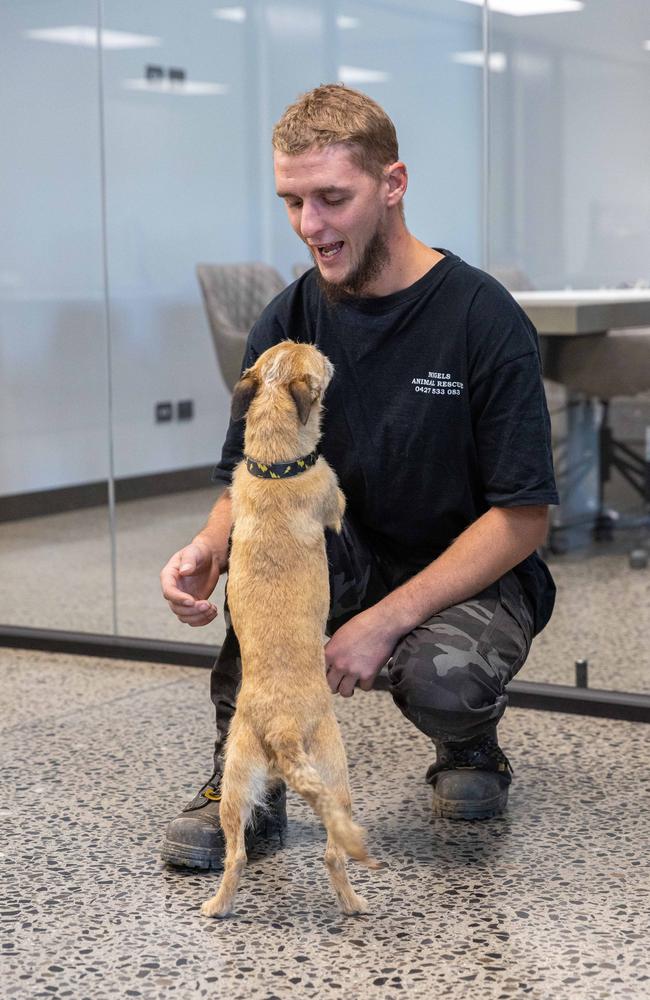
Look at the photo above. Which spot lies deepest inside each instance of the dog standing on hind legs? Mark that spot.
(283, 496)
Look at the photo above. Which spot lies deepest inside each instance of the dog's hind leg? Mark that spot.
(350, 902)
(328, 754)
(243, 786)
(320, 776)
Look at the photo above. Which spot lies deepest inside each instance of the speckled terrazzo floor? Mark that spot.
(551, 901)
(54, 573)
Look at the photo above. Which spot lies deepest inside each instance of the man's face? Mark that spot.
(337, 210)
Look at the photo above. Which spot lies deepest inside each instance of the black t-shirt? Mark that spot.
(436, 411)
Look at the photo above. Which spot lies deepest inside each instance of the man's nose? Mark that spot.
(310, 221)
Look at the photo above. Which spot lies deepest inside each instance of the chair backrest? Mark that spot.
(234, 296)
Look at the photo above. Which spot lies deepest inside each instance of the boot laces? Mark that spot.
(484, 754)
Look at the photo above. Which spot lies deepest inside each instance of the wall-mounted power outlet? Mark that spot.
(185, 409)
(164, 412)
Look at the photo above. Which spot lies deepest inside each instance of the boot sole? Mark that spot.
(454, 809)
(182, 856)
(206, 859)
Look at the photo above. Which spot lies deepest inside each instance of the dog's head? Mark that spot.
(298, 373)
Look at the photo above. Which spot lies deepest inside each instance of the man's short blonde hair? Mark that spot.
(334, 113)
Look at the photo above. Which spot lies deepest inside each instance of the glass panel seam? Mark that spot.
(485, 187)
(107, 313)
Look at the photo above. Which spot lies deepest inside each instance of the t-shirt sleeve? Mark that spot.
(266, 332)
(510, 416)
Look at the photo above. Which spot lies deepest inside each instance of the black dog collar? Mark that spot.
(281, 470)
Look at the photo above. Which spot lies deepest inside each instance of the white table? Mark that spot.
(574, 312)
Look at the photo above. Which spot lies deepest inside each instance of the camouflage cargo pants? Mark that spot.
(447, 676)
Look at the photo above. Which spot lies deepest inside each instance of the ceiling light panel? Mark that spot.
(86, 36)
(358, 74)
(236, 14)
(530, 8)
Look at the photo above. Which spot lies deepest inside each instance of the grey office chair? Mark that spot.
(604, 367)
(234, 296)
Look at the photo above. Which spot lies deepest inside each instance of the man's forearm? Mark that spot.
(500, 539)
(218, 527)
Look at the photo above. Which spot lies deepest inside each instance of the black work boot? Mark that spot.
(195, 838)
(470, 779)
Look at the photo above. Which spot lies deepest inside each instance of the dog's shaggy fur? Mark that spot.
(278, 593)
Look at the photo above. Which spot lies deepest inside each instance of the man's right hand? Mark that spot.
(187, 581)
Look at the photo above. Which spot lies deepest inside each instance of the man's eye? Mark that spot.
(334, 201)
(293, 204)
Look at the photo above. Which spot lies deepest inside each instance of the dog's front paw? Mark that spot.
(214, 908)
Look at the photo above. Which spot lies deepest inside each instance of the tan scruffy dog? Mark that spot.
(283, 495)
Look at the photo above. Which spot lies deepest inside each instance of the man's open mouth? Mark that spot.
(330, 249)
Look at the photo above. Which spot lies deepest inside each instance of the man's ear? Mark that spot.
(303, 396)
(397, 182)
(243, 395)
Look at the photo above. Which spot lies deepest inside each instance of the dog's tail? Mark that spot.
(292, 761)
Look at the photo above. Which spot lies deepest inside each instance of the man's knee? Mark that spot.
(443, 683)
(459, 690)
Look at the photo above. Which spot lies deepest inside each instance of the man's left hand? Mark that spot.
(356, 653)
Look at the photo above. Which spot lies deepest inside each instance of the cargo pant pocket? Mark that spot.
(505, 644)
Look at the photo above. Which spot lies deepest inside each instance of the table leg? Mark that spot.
(577, 473)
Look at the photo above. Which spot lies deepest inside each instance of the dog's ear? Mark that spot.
(303, 396)
(243, 395)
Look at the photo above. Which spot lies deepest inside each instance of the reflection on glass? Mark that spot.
(187, 109)
(55, 557)
(569, 208)
(180, 191)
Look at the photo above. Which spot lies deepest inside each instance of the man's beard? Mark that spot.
(375, 257)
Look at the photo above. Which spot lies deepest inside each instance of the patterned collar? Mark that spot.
(281, 470)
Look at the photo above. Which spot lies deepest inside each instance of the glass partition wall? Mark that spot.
(569, 209)
(178, 177)
(129, 162)
(189, 179)
(56, 568)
